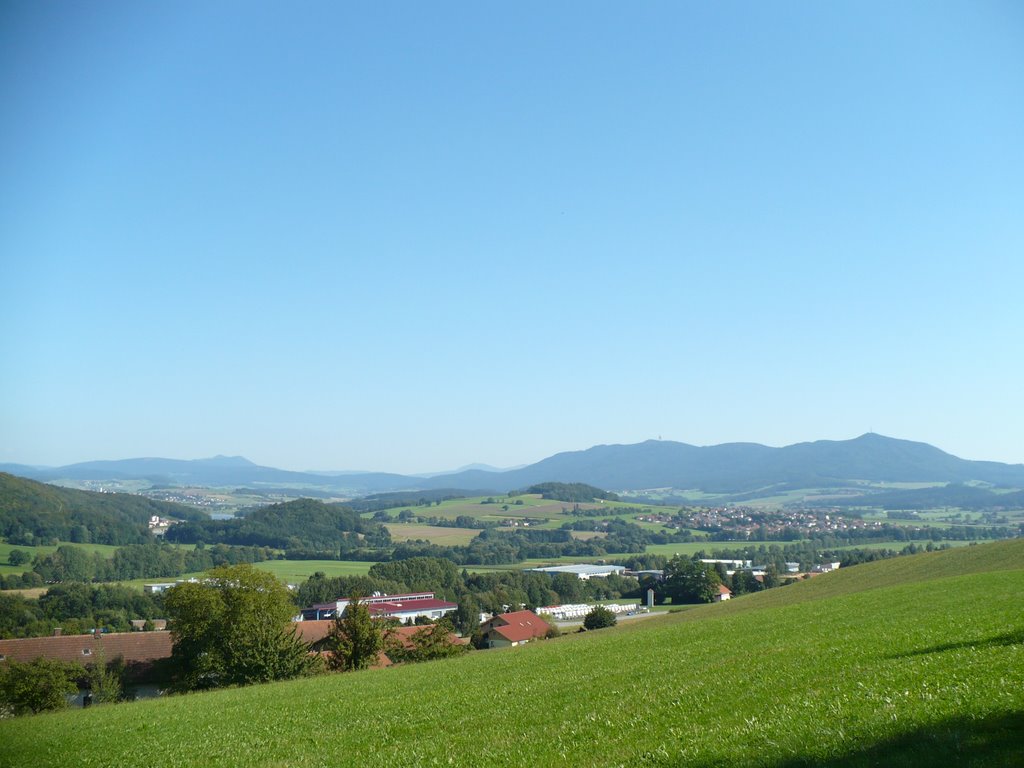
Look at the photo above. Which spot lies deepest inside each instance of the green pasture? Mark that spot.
(917, 661)
(533, 506)
(898, 545)
(296, 571)
(5, 550)
(690, 548)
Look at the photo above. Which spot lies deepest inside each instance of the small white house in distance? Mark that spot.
(154, 589)
(735, 564)
(583, 571)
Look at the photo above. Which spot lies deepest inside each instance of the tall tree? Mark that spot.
(233, 628)
(467, 616)
(356, 639)
(690, 581)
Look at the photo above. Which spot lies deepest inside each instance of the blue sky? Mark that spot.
(411, 236)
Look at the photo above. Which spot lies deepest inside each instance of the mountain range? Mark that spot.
(730, 468)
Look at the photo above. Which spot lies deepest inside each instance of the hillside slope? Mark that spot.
(29, 508)
(914, 662)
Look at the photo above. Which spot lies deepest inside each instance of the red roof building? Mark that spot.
(510, 629)
(402, 607)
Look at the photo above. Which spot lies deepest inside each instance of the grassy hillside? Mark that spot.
(914, 661)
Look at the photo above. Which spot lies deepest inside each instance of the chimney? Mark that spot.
(56, 631)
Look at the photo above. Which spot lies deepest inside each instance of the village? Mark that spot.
(407, 616)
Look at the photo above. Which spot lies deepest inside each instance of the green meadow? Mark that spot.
(436, 534)
(295, 571)
(106, 550)
(916, 661)
(548, 512)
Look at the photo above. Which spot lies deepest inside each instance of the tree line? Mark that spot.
(152, 560)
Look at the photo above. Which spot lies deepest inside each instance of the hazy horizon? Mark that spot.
(415, 472)
(414, 237)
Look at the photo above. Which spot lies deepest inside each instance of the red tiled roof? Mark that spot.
(724, 590)
(134, 647)
(386, 609)
(378, 599)
(404, 634)
(311, 632)
(519, 625)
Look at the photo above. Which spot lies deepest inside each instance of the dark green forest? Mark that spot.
(34, 513)
(303, 524)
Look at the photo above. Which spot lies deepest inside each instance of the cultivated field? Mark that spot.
(917, 661)
(436, 534)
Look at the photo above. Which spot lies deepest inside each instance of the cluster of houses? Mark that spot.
(748, 523)
(158, 525)
(141, 649)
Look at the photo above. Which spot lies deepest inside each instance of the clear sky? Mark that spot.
(409, 236)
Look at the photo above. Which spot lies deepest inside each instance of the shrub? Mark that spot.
(599, 618)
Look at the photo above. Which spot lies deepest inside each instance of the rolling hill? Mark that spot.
(913, 662)
(30, 509)
(731, 468)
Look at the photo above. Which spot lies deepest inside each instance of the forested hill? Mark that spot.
(730, 468)
(34, 513)
(744, 467)
(303, 524)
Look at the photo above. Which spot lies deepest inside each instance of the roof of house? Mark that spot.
(311, 632)
(140, 624)
(404, 634)
(386, 609)
(133, 647)
(519, 625)
(724, 590)
(405, 596)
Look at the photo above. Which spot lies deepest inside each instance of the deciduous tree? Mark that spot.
(233, 628)
(599, 618)
(38, 686)
(356, 639)
(690, 581)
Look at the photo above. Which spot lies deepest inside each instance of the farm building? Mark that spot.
(401, 607)
(724, 593)
(507, 630)
(583, 571)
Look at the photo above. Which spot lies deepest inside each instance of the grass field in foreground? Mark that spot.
(917, 661)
